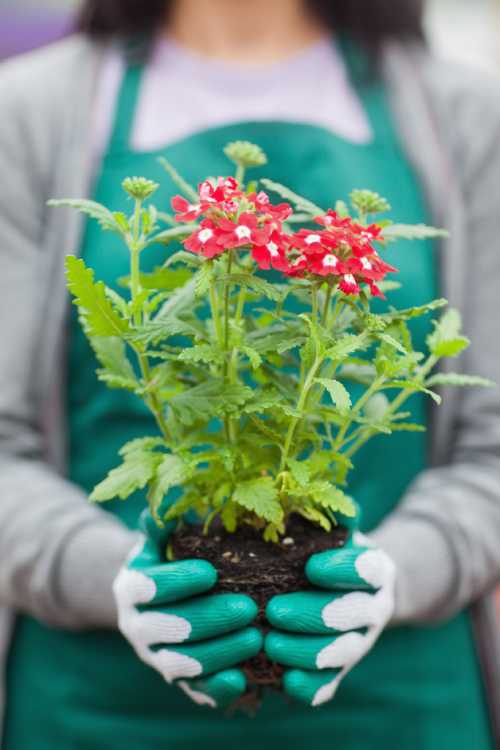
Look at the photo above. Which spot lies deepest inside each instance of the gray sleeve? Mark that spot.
(445, 534)
(58, 554)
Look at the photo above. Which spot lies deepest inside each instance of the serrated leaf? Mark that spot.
(315, 516)
(90, 297)
(94, 210)
(260, 496)
(175, 234)
(137, 469)
(166, 279)
(285, 346)
(254, 284)
(182, 256)
(455, 379)
(346, 345)
(413, 385)
(300, 471)
(413, 232)
(203, 279)
(253, 356)
(333, 498)
(204, 401)
(391, 341)
(338, 393)
(158, 330)
(117, 370)
(181, 183)
(414, 312)
(201, 353)
(171, 471)
(302, 204)
(446, 339)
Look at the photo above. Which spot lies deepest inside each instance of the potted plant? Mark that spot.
(247, 375)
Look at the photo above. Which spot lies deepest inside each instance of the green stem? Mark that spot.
(326, 309)
(360, 403)
(300, 405)
(227, 291)
(240, 175)
(135, 270)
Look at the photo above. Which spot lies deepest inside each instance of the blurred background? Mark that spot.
(466, 30)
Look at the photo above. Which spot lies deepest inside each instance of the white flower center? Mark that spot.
(312, 239)
(349, 278)
(273, 249)
(205, 235)
(243, 233)
(330, 261)
(366, 264)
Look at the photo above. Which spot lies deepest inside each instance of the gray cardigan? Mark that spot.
(59, 554)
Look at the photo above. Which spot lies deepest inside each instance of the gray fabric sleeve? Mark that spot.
(444, 536)
(58, 553)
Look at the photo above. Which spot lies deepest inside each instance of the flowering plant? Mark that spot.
(251, 398)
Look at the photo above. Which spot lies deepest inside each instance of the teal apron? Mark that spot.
(420, 688)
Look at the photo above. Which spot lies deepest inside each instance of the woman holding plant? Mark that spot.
(338, 97)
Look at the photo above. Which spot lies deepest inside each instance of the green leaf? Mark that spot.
(446, 339)
(413, 312)
(94, 210)
(300, 471)
(201, 353)
(338, 393)
(204, 401)
(166, 279)
(254, 284)
(413, 385)
(181, 183)
(456, 379)
(137, 469)
(346, 345)
(117, 370)
(412, 232)
(203, 279)
(253, 356)
(260, 496)
(331, 497)
(302, 204)
(172, 471)
(391, 341)
(159, 330)
(94, 306)
(175, 234)
(315, 516)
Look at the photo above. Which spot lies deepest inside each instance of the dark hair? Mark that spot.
(368, 21)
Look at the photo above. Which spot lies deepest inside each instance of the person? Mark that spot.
(340, 95)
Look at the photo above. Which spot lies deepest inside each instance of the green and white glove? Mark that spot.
(192, 638)
(329, 630)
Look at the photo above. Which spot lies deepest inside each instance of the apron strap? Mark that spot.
(369, 88)
(125, 108)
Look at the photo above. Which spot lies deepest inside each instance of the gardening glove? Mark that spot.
(331, 629)
(190, 637)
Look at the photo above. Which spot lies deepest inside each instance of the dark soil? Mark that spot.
(248, 564)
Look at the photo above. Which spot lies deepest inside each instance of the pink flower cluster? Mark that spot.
(233, 219)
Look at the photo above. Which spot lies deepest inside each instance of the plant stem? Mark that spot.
(326, 308)
(227, 291)
(135, 271)
(240, 174)
(300, 405)
(375, 386)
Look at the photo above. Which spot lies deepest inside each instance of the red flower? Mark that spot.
(239, 233)
(271, 253)
(309, 242)
(349, 285)
(204, 241)
(185, 210)
(261, 201)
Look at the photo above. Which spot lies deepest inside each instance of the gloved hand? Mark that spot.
(191, 639)
(332, 628)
